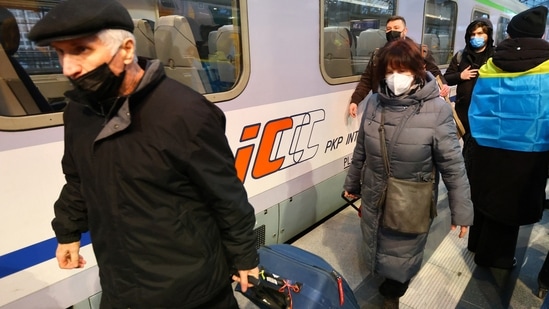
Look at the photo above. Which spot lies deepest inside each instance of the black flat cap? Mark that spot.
(73, 19)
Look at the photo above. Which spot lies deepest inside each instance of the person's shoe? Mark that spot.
(390, 303)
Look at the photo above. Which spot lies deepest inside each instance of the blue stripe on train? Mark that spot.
(32, 255)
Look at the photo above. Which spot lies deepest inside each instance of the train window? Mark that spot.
(208, 32)
(199, 42)
(351, 32)
(501, 32)
(479, 14)
(440, 29)
(29, 76)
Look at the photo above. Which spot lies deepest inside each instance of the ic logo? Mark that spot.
(284, 142)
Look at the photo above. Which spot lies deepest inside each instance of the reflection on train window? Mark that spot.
(199, 43)
(353, 30)
(501, 32)
(29, 75)
(440, 28)
(479, 14)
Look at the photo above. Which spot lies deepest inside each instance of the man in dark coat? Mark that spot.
(463, 72)
(463, 68)
(395, 29)
(148, 170)
(508, 118)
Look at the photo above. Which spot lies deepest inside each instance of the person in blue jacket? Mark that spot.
(509, 119)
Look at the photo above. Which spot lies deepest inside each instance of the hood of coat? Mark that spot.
(472, 26)
(426, 92)
(521, 54)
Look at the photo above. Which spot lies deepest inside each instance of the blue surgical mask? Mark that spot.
(477, 42)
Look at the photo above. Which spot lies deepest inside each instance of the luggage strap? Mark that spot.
(287, 287)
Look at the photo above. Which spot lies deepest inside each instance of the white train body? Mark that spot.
(292, 163)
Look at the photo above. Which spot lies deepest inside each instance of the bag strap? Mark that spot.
(459, 125)
(459, 56)
(382, 143)
(396, 135)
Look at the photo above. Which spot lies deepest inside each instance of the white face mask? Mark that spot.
(399, 83)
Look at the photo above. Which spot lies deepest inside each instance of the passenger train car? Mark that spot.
(282, 71)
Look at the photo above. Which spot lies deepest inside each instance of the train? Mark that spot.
(283, 72)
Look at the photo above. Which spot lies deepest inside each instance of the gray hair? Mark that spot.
(113, 39)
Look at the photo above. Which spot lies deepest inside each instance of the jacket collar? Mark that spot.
(121, 119)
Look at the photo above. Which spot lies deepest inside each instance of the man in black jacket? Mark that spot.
(396, 29)
(148, 169)
(463, 72)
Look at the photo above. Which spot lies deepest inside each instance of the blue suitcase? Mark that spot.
(291, 277)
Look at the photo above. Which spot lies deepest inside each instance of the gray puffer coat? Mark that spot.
(428, 139)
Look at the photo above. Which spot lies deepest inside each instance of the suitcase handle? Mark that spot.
(253, 280)
(351, 202)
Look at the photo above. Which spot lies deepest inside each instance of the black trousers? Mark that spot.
(393, 289)
(469, 147)
(493, 242)
(223, 300)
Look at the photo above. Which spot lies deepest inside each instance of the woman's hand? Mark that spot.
(463, 230)
(349, 195)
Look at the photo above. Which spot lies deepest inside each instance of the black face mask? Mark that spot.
(99, 84)
(393, 35)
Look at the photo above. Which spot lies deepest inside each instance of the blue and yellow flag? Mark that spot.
(511, 110)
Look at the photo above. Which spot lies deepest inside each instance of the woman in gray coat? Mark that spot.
(409, 97)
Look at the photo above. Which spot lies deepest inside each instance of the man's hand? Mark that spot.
(444, 90)
(353, 107)
(243, 278)
(68, 256)
(468, 73)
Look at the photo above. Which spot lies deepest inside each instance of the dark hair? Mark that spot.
(396, 17)
(401, 55)
(479, 24)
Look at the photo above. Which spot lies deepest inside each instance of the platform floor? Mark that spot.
(448, 279)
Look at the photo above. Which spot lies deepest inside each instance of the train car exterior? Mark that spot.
(282, 71)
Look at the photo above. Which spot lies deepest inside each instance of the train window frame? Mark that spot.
(479, 12)
(445, 53)
(22, 120)
(347, 31)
